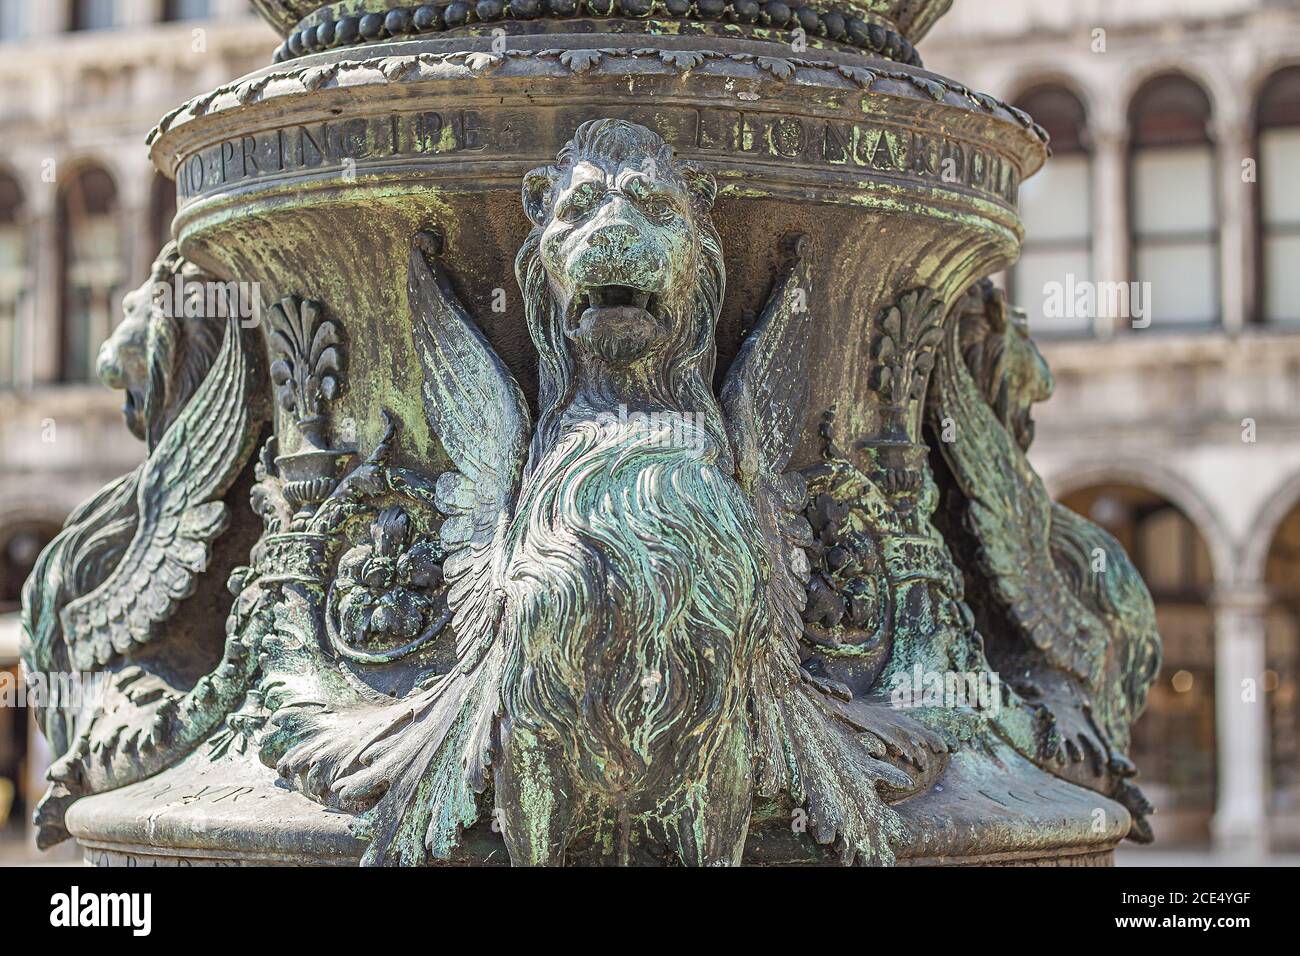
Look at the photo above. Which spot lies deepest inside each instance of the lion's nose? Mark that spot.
(617, 237)
(614, 228)
(106, 366)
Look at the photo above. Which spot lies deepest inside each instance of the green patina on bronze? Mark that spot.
(702, 538)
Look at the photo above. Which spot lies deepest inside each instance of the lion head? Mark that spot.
(1004, 361)
(622, 274)
(162, 349)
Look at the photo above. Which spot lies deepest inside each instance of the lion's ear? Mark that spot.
(538, 184)
(703, 189)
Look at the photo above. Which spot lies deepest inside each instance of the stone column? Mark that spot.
(1236, 205)
(27, 318)
(1110, 213)
(134, 179)
(46, 325)
(135, 12)
(1240, 818)
(44, 19)
(38, 761)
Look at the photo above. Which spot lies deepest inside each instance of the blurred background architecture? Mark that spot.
(1176, 421)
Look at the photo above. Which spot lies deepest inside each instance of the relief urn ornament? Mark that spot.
(628, 466)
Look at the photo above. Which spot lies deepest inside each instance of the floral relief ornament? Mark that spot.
(387, 599)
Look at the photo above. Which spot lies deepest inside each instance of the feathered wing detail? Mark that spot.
(763, 398)
(412, 770)
(415, 768)
(1010, 513)
(477, 410)
(766, 390)
(804, 745)
(1083, 641)
(180, 514)
(1124, 604)
(93, 539)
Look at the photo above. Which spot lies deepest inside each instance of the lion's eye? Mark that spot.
(658, 207)
(577, 202)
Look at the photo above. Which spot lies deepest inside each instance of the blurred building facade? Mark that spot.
(82, 215)
(1176, 418)
(1176, 126)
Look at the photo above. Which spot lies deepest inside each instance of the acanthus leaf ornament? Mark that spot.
(307, 370)
(904, 346)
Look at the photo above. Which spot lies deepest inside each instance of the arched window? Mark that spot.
(1279, 201)
(187, 10)
(162, 209)
(13, 281)
(1056, 207)
(93, 272)
(1173, 211)
(93, 14)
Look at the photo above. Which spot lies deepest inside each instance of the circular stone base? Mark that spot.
(993, 809)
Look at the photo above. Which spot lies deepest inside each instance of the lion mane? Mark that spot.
(1003, 360)
(180, 348)
(633, 583)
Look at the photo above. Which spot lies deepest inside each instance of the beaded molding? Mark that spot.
(428, 18)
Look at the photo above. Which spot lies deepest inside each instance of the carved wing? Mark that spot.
(92, 541)
(766, 390)
(1124, 604)
(804, 744)
(764, 398)
(477, 410)
(1010, 513)
(416, 767)
(180, 514)
(1083, 644)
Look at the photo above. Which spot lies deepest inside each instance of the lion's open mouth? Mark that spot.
(617, 297)
(133, 412)
(612, 304)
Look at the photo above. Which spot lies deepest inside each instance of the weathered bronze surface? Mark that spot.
(706, 537)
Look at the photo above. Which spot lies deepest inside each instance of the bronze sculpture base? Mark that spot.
(646, 482)
(233, 813)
